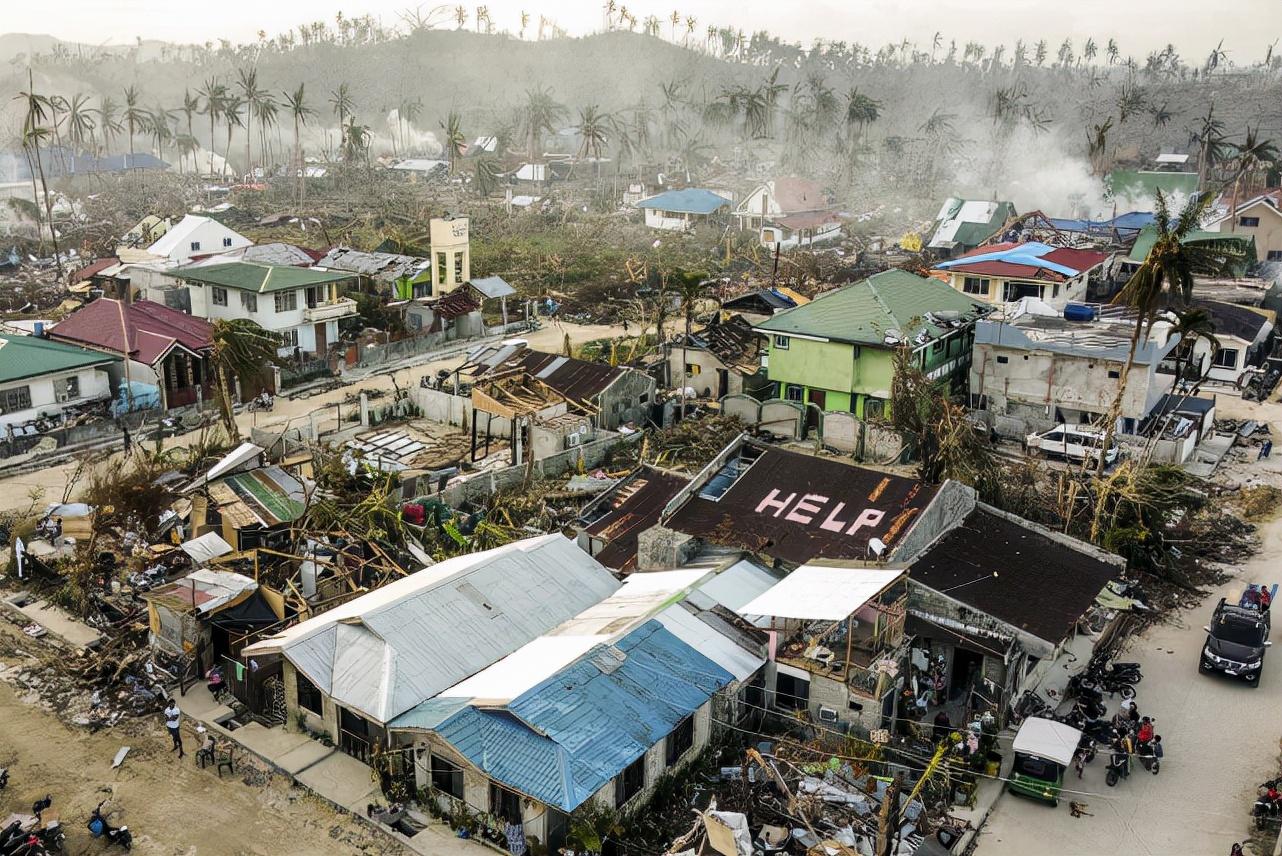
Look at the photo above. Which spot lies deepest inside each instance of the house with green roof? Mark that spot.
(40, 379)
(301, 305)
(836, 352)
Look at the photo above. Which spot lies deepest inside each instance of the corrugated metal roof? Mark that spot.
(391, 649)
(26, 356)
(492, 286)
(564, 739)
(864, 312)
(1030, 259)
(691, 200)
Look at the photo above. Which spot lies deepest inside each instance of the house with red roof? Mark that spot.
(1002, 273)
(789, 212)
(159, 346)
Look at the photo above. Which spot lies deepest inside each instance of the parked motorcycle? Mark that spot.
(262, 401)
(100, 828)
(1119, 767)
(1268, 804)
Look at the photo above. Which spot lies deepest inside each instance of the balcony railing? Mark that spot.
(344, 307)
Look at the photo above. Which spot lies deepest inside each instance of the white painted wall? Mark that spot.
(94, 385)
(669, 220)
(211, 237)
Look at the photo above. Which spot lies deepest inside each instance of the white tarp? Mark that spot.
(1046, 738)
(206, 548)
(821, 592)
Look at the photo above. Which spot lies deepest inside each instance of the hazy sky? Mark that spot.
(1194, 26)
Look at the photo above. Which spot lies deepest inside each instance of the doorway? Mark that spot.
(321, 345)
(968, 667)
(723, 383)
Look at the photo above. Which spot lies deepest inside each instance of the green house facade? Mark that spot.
(837, 352)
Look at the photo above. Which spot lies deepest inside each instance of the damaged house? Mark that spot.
(789, 212)
(1001, 273)
(612, 395)
(721, 359)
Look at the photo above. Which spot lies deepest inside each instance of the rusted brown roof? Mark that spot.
(577, 380)
(798, 507)
(634, 507)
(733, 342)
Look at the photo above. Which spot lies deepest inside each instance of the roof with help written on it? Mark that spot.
(566, 738)
(256, 277)
(798, 507)
(691, 200)
(152, 329)
(1017, 573)
(1030, 260)
(865, 312)
(24, 357)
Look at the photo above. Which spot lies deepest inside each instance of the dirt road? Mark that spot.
(1221, 736)
(171, 806)
(52, 481)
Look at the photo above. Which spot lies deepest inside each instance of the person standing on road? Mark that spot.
(173, 718)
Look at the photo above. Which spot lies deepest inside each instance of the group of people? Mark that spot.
(1256, 596)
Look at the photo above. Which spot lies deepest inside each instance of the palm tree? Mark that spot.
(1253, 156)
(460, 16)
(296, 101)
(540, 116)
(265, 110)
(591, 128)
(1111, 51)
(241, 349)
(1211, 144)
(252, 95)
(340, 100)
(215, 95)
(452, 129)
(408, 112)
(158, 126)
(1169, 268)
(108, 120)
(135, 117)
(191, 106)
(34, 132)
(861, 111)
(80, 123)
(232, 105)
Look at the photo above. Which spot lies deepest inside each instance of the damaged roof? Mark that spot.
(733, 342)
(382, 266)
(1043, 585)
(799, 507)
(267, 496)
(203, 591)
(632, 507)
(1027, 260)
(577, 380)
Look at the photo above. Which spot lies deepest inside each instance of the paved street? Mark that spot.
(1221, 740)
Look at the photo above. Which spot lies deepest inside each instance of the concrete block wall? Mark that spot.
(659, 548)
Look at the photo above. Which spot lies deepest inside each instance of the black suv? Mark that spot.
(1235, 642)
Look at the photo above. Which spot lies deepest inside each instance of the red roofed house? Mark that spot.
(789, 212)
(167, 348)
(1001, 273)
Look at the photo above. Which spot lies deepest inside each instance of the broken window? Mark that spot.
(630, 782)
(680, 740)
(730, 473)
(218, 295)
(18, 398)
(447, 777)
(309, 696)
(249, 301)
(791, 692)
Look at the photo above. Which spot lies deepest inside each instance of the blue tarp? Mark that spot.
(564, 739)
(1030, 254)
(145, 396)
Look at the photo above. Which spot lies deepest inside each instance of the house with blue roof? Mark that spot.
(682, 210)
(599, 731)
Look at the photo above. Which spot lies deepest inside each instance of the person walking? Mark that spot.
(173, 718)
(1266, 448)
